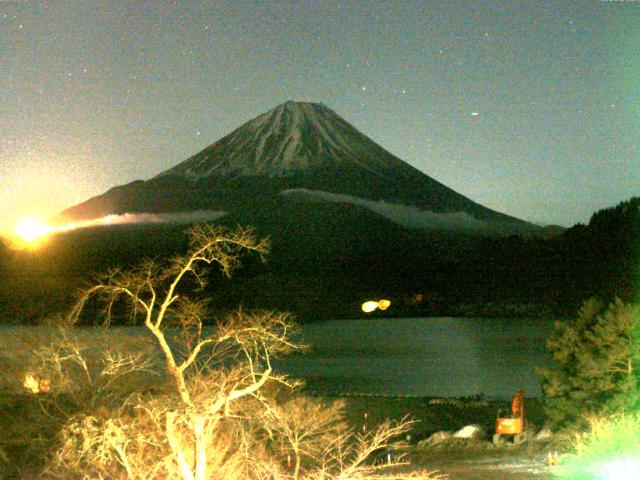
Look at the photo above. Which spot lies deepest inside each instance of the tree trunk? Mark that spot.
(198, 422)
(296, 471)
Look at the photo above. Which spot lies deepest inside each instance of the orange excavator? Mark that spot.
(514, 424)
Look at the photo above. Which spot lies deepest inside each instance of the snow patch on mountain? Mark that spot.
(291, 137)
(407, 216)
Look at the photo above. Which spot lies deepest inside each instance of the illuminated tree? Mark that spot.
(218, 414)
(596, 364)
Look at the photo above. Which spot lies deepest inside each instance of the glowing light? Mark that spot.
(609, 451)
(31, 384)
(371, 305)
(620, 469)
(30, 230)
(35, 385)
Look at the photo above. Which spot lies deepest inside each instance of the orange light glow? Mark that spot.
(31, 233)
(31, 230)
(372, 305)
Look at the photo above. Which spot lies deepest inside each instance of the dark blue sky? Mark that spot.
(528, 107)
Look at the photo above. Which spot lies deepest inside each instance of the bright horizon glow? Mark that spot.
(29, 230)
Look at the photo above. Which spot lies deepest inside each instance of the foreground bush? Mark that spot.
(217, 410)
(51, 374)
(609, 450)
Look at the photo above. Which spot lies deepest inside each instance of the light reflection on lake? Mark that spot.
(422, 356)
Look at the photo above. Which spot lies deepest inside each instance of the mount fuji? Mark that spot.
(292, 161)
(348, 221)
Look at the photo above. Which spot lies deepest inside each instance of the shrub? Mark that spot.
(596, 365)
(50, 375)
(609, 450)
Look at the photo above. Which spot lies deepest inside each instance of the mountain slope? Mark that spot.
(294, 147)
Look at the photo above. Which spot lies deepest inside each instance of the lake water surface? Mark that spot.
(422, 356)
(405, 356)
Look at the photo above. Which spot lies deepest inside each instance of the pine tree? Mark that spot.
(596, 368)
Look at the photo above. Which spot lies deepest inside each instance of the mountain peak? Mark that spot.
(297, 106)
(292, 137)
(294, 104)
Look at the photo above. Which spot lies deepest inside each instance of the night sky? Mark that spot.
(531, 108)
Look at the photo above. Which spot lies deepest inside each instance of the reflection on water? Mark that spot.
(422, 356)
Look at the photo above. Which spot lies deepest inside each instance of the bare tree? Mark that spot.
(305, 428)
(223, 419)
(153, 290)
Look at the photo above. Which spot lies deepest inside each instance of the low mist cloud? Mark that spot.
(131, 218)
(181, 217)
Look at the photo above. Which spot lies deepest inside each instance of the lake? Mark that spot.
(422, 356)
(405, 356)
